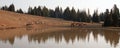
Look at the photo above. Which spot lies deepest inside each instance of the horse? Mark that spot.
(77, 24)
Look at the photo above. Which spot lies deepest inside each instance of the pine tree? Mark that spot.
(30, 10)
(39, 11)
(102, 16)
(35, 11)
(115, 15)
(57, 12)
(52, 13)
(4, 8)
(83, 16)
(61, 13)
(95, 17)
(78, 16)
(66, 14)
(108, 18)
(73, 15)
(19, 11)
(11, 8)
(45, 12)
(89, 16)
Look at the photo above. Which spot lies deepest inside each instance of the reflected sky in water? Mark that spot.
(73, 38)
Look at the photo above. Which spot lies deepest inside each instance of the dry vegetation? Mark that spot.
(11, 19)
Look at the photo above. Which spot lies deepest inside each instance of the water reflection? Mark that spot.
(66, 34)
(110, 36)
(86, 36)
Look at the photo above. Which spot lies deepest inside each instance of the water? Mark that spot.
(74, 38)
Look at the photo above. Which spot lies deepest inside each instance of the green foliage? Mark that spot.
(78, 16)
(35, 11)
(11, 8)
(83, 16)
(30, 10)
(45, 12)
(52, 13)
(57, 12)
(19, 11)
(39, 11)
(73, 15)
(115, 15)
(112, 19)
(108, 19)
(102, 16)
(89, 18)
(95, 17)
(4, 8)
(66, 14)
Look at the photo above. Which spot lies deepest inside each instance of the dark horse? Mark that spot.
(77, 24)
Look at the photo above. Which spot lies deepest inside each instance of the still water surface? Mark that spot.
(74, 38)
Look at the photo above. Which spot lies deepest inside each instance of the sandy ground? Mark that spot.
(11, 19)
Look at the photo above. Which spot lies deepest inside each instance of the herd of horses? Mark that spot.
(77, 24)
(72, 24)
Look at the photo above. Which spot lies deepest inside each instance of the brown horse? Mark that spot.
(77, 24)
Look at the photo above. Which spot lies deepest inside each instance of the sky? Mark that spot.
(101, 5)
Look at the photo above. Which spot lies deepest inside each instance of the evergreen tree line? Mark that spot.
(67, 14)
(11, 8)
(110, 18)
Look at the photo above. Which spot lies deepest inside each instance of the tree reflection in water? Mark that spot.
(111, 37)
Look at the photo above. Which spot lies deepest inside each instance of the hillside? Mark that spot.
(11, 19)
(39, 24)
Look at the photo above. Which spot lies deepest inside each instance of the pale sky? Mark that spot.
(101, 5)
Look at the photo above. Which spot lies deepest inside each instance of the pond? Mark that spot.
(73, 38)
